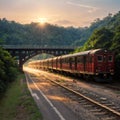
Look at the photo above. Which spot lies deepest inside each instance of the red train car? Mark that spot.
(97, 63)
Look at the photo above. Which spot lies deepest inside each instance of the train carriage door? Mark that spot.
(101, 62)
(70, 61)
(105, 62)
(60, 61)
(84, 63)
(75, 63)
(56, 63)
(107, 58)
(90, 63)
(111, 63)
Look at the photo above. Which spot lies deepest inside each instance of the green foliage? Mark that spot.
(104, 33)
(116, 40)
(8, 69)
(17, 103)
(101, 38)
(13, 33)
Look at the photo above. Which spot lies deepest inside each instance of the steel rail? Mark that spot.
(87, 98)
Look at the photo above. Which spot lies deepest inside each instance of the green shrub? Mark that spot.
(8, 69)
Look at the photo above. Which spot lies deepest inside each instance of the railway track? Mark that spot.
(100, 107)
(113, 87)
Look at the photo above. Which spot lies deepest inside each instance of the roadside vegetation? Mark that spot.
(8, 70)
(17, 103)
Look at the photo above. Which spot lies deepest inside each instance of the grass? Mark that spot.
(117, 92)
(17, 103)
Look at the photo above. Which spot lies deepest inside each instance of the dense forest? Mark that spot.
(8, 69)
(13, 33)
(107, 34)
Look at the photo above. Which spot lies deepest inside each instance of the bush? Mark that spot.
(8, 69)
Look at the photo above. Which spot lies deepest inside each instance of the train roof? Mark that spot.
(100, 50)
(83, 53)
(94, 51)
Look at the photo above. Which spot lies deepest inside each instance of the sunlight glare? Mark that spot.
(42, 20)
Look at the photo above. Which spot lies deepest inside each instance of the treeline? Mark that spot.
(106, 35)
(13, 33)
(8, 70)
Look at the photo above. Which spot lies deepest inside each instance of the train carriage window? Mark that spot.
(63, 60)
(84, 59)
(79, 59)
(100, 58)
(67, 60)
(110, 58)
(73, 60)
(90, 59)
(58, 61)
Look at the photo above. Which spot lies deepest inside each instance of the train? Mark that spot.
(97, 64)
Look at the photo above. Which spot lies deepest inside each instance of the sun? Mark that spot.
(42, 20)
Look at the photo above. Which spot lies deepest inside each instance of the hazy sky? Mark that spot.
(62, 12)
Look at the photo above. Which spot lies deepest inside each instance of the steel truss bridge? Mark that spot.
(25, 52)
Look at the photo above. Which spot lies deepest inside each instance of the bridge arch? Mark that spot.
(24, 53)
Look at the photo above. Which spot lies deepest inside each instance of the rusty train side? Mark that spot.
(97, 64)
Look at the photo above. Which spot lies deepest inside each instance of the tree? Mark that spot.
(8, 69)
(101, 38)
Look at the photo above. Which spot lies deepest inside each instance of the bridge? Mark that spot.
(23, 53)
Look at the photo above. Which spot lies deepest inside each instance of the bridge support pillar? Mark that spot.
(20, 63)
